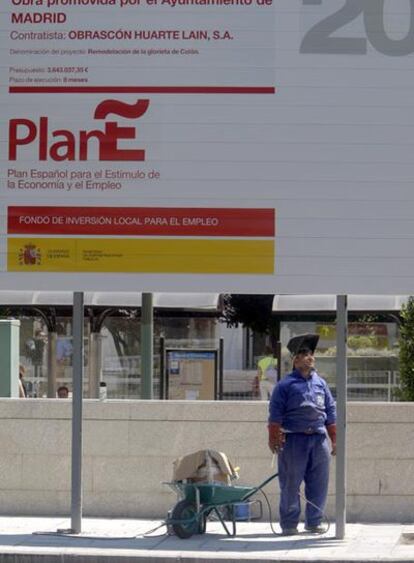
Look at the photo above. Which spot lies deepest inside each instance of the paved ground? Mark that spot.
(35, 540)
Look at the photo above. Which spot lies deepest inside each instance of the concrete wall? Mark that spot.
(129, 447)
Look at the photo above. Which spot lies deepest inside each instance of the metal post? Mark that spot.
(162, 368)
(147, 338)
(250, 364)
(341, 398)
(51, 365)
(279, 359)
(220, 371)
(389, 394)
(76, 500)
(95, 364)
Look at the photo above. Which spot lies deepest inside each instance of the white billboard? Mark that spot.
(207, 145)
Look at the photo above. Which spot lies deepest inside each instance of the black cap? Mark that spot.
(303, 343)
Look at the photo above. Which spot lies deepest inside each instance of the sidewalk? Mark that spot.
(27, 539)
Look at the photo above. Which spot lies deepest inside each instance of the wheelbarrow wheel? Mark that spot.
(185, 519)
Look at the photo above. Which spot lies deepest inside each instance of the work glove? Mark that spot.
(331, 429)
(276, 437)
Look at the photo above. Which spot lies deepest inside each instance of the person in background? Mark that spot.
(63, 392)
(22, 387)
(302, 413)
(267, 374)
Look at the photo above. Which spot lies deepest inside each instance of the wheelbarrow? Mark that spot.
(200, 500)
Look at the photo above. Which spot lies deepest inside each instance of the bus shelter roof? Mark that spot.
(327, 303)
(191, 301)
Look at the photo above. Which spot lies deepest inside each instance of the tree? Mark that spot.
(406, 391)
(251, 311)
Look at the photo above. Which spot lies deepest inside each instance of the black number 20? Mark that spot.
(319, 38)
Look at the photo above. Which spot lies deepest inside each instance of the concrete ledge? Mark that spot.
(129, 447)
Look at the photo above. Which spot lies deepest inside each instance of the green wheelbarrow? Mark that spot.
(200, 500)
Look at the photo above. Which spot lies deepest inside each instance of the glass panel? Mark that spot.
(372, 365)
(33, 356)
(121, 352)
(121, 357)
(372, 357)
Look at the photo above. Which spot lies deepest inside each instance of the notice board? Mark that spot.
(191, 374)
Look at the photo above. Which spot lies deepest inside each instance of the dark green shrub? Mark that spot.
(406, 391)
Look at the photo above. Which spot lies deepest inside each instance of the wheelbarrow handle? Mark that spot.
(258, 488)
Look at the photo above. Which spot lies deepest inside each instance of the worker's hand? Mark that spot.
(331, 429)
(276, 437)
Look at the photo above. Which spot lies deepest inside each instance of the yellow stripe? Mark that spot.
(176, 256)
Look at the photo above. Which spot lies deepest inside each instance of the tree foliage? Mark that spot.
(251, 311)
(406, 392)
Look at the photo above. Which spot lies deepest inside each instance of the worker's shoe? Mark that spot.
(289, 531)
(318, 529)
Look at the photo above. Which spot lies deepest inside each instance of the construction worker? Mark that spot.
(267, 374)
(302, 412)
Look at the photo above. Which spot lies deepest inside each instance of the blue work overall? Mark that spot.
(305, 457)
(304, 407)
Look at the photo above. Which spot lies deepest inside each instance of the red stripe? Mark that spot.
(137, 221)
(142, 90)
